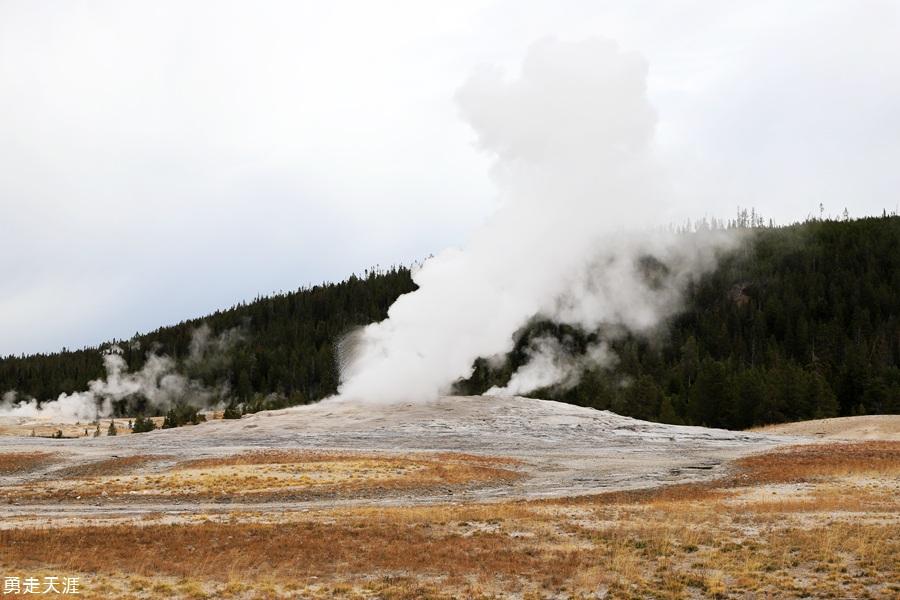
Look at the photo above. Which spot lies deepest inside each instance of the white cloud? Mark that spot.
(203, 152)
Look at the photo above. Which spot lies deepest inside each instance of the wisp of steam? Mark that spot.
(158, 383)
(571, 137)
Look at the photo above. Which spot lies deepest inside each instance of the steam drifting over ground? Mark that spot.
(580, 195)
(158, 384)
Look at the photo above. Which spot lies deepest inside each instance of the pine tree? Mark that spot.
(667, 412)
(171, 419)
(232, 411)
(143, 425)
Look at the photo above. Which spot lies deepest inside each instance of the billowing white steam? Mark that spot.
(157, 382)
(571, 138)
(551, 364)
(210, 350)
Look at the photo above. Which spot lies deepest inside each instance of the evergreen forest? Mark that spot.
(799, 322)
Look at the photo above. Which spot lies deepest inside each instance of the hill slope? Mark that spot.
(800, 322)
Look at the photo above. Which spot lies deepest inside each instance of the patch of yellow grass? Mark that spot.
(709, 540)
(275, 475)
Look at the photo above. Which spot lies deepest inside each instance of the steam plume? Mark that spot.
(158, 383)
(550, 364)
(571, 139)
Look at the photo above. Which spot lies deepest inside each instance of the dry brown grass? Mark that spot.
(279, 475)
(12, 463)
(794, 464)
(810, 462)
(120, 465)
(266, 457)
(271, 476)
(279, 457)
(822, 521)
(286, 550)
(643, 553)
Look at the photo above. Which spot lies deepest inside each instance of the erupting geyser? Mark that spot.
(572, 142)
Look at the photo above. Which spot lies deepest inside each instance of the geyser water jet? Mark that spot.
(571, 138)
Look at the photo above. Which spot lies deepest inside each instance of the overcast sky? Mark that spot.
(160, 160)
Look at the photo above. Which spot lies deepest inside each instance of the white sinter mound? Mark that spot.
(565, 449)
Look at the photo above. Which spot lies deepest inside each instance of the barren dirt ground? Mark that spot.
(869, 427)
(477, 497)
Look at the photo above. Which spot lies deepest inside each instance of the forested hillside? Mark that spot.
(800, 322)
(283, 355)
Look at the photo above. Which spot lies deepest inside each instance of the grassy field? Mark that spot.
(819, 520)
